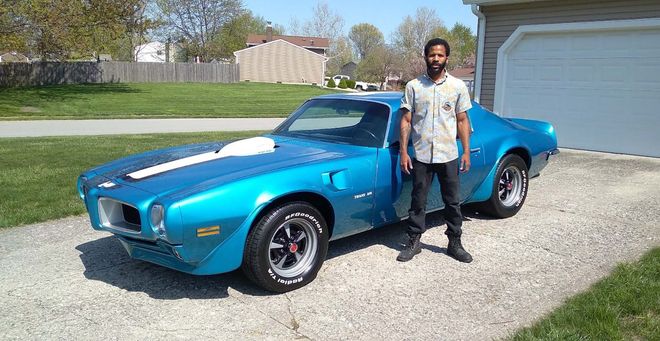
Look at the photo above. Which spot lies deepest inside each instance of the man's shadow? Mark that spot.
(106, 260)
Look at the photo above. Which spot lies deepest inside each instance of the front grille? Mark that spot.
(118, 215)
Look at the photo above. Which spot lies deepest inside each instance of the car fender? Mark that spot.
(485, 189)
(225, 250)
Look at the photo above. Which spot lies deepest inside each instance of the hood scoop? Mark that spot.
(246, 147)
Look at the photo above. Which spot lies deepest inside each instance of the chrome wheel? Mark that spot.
(510, 186)
(293, 247)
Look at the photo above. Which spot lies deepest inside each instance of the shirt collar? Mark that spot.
(441, 81)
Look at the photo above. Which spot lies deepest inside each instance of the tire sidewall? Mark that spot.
(508, 211)
(273, 281)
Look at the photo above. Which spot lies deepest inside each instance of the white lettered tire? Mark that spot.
(286, 248)
(510, 187)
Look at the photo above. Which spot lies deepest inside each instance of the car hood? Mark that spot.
(288, 152)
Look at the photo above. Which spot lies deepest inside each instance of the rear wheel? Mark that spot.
(509, 188)
(287, 248)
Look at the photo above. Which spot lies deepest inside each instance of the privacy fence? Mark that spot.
(48, 73)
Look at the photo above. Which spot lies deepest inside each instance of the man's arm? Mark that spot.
(404, 159)
(463, 127)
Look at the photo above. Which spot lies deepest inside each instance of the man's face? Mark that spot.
(436, 60)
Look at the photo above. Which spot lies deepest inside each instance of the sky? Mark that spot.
(384, 14)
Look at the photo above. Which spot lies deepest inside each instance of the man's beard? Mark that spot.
(435, 72)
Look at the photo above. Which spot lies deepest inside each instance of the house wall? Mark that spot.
(502, 20)
(280, 61)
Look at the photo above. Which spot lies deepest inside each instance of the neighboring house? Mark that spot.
(590, 67)
(466, 74)
(314, 44)
(154, 52)
(349, 69)
(280, 61)
(13, 57)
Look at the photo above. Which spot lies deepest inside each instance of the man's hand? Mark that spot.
(465, 162)
(406, 163)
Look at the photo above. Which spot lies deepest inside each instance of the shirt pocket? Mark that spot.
(448, 105)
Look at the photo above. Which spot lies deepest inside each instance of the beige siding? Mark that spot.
(280, 61)
(502, 20)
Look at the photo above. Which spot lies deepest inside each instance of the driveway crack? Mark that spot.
(294, 323)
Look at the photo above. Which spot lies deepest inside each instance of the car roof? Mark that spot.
(391, 98)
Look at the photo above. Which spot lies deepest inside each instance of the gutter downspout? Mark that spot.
(481, 41)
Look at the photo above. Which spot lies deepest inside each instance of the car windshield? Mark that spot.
(345, 121)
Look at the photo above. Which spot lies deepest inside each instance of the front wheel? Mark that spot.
(287, 248)
(509, 188)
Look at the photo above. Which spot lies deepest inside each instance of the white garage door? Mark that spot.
(600, 89)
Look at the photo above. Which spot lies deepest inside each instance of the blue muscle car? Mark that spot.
(270, 204)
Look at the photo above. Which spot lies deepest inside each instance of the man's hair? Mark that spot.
(434, 42)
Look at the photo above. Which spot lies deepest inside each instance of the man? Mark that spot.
(434, 109)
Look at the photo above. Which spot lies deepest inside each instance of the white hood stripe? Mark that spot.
(251, 146)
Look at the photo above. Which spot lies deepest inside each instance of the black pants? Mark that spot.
(447, 174)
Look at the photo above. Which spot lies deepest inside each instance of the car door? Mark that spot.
(393, 187)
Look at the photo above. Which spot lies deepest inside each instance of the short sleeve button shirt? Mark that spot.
(434, 106)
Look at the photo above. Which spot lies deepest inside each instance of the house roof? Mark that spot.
(496, 2)
(463, 72)
(307, 42)
(283, 42)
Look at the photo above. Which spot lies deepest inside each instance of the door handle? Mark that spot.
(475, 150)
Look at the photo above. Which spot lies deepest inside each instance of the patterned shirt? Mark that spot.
(434, 107)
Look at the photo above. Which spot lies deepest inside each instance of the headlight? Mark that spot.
(157, 220)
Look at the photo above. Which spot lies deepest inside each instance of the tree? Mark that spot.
(233, 35)
(365, 38)
(378, 65)
(339, 56)
(463, 45)
(326, 24)
(62, 29)
(198, 21)
(411, 36)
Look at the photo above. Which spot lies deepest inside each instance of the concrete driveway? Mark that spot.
(584, 214)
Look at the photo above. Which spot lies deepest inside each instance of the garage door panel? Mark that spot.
(601, 89)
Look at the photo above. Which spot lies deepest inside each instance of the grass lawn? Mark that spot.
(38, 175)
(153, 100)
(623, 306)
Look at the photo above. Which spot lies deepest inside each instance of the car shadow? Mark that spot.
(105, 260)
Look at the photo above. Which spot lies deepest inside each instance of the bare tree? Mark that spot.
(325, 24)
(342, 53)
(197, 21)
(411, 36)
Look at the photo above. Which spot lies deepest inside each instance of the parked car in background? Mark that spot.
(271, 204)
(361, 86)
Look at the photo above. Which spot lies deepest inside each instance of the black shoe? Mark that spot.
(411, 249)
(456, 250)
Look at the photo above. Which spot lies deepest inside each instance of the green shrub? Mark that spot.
(350, 84)
(342, 84)
(331, 83)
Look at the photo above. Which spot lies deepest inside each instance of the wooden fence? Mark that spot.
(48, 73)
